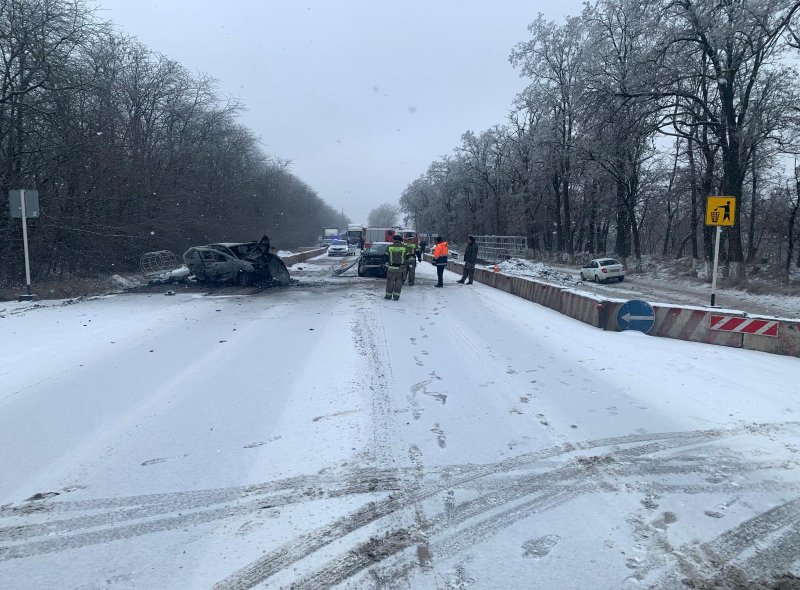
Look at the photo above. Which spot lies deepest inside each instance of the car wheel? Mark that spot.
(278, 271)
(597, 279)
(621, 279)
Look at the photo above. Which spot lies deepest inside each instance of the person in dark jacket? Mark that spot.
(470, 258)
(440, 252)
(422, 246)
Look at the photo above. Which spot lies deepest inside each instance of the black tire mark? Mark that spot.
(367, 480)
(736, 540)
(714, 563)
(295, 550)
(783, 553)
(351, 486)
(290, 553)
(555, 488)
(63, 542)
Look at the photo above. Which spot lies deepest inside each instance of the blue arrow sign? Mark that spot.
(636, 315)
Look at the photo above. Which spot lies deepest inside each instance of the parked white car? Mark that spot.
(600, 270)
(338, 248)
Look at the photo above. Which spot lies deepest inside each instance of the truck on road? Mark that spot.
(329, 234)
(355, 232)
(378, 234)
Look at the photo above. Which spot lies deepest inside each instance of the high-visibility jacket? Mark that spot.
(411, 252)
(396, 253)
(440, 253)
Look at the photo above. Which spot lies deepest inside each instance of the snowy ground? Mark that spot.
(319, 436)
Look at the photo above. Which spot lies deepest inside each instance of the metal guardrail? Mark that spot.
(497, 248)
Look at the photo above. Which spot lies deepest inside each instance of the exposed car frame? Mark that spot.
(242, 263)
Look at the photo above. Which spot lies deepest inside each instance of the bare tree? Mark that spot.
(385, 215)
(742, 43)
(554, 59)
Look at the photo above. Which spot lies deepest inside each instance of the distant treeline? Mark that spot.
(635, 112)
(129, 152)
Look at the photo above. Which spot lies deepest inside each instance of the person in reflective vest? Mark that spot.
(440, 253)
(410, 270)
(396, 253)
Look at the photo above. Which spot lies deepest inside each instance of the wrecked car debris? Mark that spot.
(244, 264)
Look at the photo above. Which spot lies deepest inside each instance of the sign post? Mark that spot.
(24, 204)
(719, 211)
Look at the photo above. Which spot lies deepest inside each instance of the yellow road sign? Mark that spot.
(720, 211)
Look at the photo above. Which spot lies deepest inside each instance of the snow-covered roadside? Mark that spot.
(658, 285)
(326, 436)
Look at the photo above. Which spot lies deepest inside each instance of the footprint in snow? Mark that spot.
(540, 547)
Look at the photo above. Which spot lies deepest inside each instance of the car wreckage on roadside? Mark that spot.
(243, 264)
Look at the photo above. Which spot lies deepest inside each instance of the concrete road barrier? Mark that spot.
(671, 321)
(548, 295)
(303, 256)
(787, 342)
(581, 306)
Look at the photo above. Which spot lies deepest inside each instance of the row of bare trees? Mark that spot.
(636, 111)
(128, 150)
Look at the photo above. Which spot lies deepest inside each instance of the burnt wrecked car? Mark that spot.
(244, 264)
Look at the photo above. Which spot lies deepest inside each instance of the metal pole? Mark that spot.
(25, 241)
(716, 261)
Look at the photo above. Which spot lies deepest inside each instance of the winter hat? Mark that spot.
(397, 238)
(471, 238)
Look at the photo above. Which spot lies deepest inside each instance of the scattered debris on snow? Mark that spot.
(125, 282)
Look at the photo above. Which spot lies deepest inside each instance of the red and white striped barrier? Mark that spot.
(744, 325)
(686, 323)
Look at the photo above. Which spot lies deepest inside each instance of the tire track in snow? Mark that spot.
(353, 484)
(292, 552)
(720, 563)
(554, 488)
(72, 533)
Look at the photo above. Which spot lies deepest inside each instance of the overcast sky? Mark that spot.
(360, 95)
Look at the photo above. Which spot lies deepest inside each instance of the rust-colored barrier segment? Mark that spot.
(581, 307)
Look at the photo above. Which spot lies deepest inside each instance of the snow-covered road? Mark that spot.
(319, 436)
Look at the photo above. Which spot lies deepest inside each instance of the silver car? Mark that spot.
(600, 270)
(339, 248)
